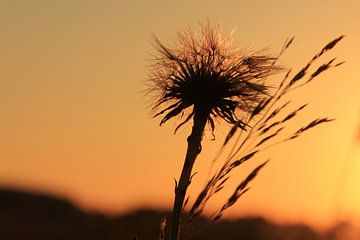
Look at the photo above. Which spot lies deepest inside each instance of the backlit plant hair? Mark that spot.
(204, 77)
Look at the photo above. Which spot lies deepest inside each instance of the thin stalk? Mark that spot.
(193, 150)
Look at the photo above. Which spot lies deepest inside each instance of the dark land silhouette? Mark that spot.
(30, 216)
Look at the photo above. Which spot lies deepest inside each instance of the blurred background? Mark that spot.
(75, 122)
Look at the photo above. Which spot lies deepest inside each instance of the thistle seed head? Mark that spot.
(207, 74)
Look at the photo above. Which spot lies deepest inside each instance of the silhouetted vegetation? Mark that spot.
(31, 216)
(204, 77)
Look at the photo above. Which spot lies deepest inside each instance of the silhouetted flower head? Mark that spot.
(207, 74)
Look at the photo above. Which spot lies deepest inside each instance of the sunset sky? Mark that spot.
(74, 119)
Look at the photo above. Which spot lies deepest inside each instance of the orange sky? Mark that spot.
(74, 119)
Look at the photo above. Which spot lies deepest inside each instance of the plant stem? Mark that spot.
(193, 150)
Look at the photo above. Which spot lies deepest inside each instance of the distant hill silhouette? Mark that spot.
(31, 216)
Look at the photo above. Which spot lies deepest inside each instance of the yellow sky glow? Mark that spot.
(74, 119)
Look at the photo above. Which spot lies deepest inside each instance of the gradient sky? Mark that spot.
(74, 120)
